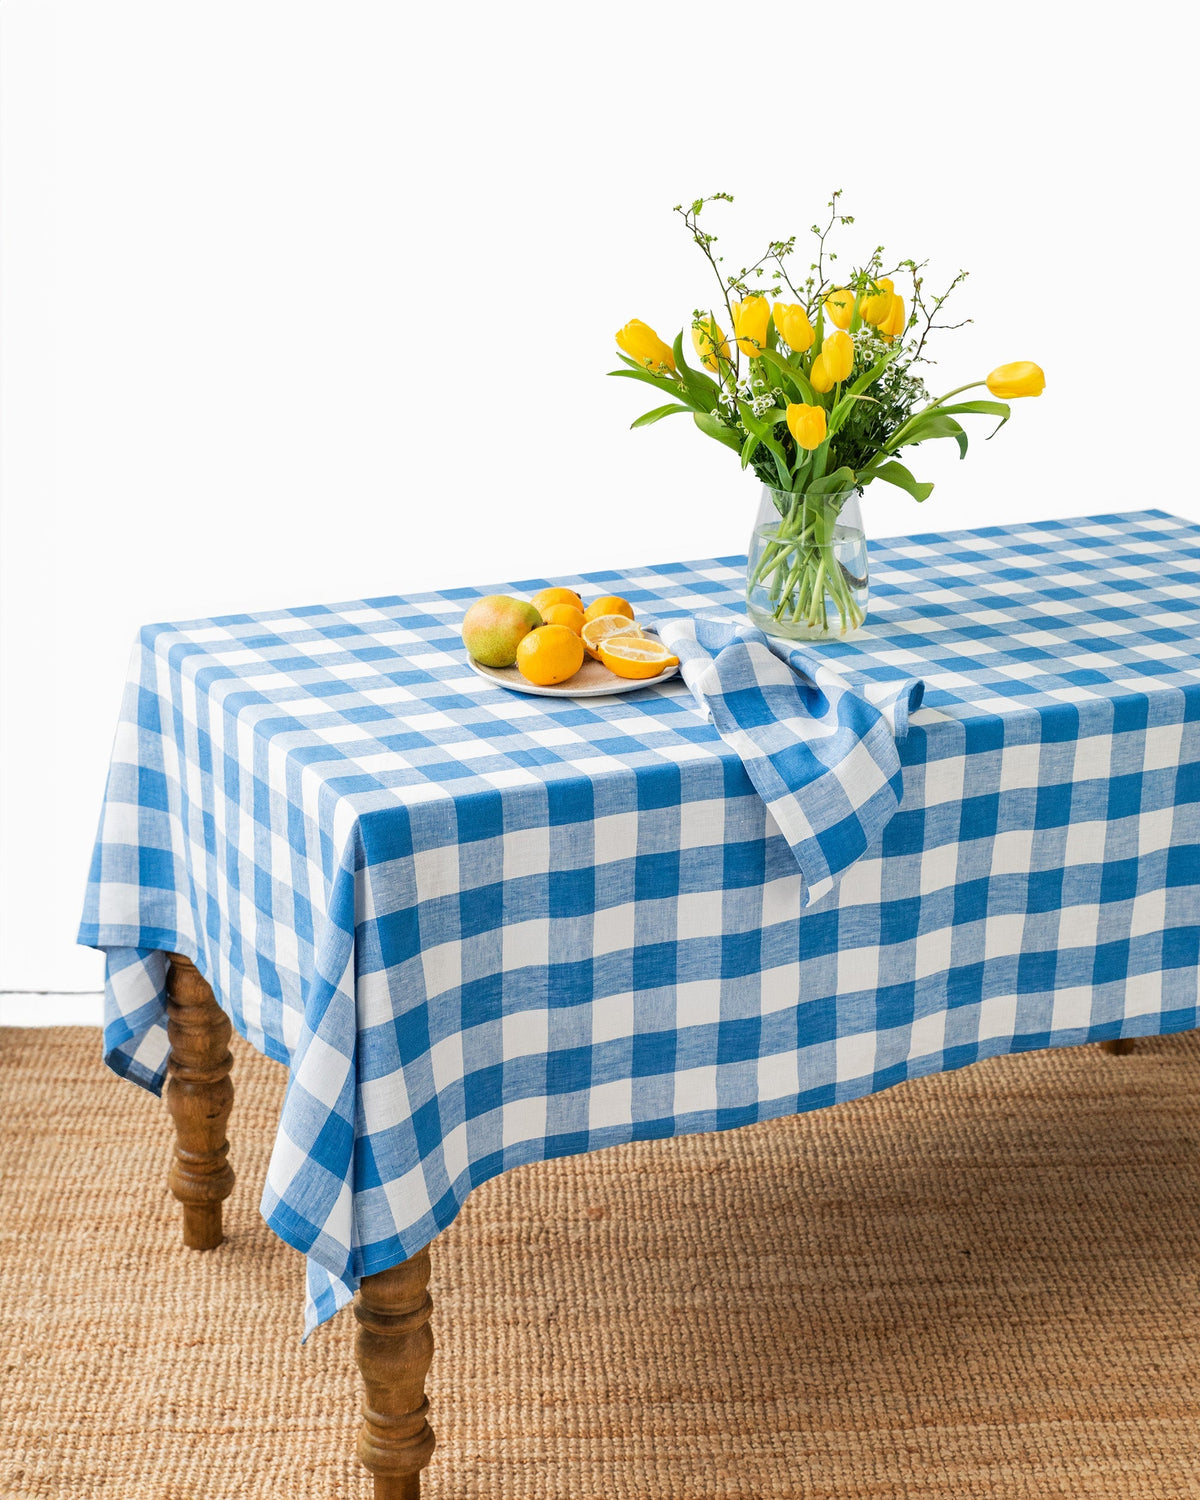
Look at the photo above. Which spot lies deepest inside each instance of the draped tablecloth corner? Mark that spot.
(819, 746)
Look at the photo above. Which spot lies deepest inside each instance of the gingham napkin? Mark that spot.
(820, 750)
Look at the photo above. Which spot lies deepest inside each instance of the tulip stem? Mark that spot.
(798, 571)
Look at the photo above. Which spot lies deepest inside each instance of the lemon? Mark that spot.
(563, 614)
(541, 602)
(631, 656)
(549, 655)
(610, 604)
(597, 630)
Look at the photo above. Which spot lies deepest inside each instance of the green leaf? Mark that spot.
(807, 389)
(895, 473)
(854, 392)
(705, 391)
(799, 381)
(983, 408)
(999, 409)
(662, 383)
(658, 413)
(709, 425)
(748, 448)
(780, 457)
(759, 425)
(760, 428)
(636, 364)
(937, 424)
(833, 484)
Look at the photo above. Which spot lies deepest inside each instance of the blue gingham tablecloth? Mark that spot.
(484, 929)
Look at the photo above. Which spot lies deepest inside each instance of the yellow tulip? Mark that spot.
(819, 377)
(876, 302)
(893, 325)
(750, 325)
(806, 424)
(710, 342)
(1023, 378)
(838, 353)
(840, 306)
(793, 326)
(641, 342)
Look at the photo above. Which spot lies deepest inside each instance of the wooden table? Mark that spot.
(394, 1345)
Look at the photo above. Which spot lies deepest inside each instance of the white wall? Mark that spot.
(311, 301)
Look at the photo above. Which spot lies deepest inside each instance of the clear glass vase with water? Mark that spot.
(806, 574)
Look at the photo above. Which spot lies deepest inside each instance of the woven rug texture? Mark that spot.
(981, 1284)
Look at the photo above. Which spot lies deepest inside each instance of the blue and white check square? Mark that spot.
(482, 929)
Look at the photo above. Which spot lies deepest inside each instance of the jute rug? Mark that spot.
(981, 1284)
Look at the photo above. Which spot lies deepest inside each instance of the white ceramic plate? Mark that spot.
(593, 680)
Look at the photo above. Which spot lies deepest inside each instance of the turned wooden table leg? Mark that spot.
(199, 1096)
(1119, 1047)
(394, 1349)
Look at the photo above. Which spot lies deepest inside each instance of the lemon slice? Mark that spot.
(633, 656)
(596, 631)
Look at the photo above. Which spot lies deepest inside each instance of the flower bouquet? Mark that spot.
(817, 394)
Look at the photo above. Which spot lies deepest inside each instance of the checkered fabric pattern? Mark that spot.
(821, 753)
(484, 929)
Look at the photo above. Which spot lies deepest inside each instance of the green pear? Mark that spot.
(494, 627)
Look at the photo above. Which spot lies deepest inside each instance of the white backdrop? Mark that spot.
(310, 301)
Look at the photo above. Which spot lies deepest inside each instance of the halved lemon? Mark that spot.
(600, 629)
(631, 656)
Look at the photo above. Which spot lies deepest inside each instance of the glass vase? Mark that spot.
(806, 575)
